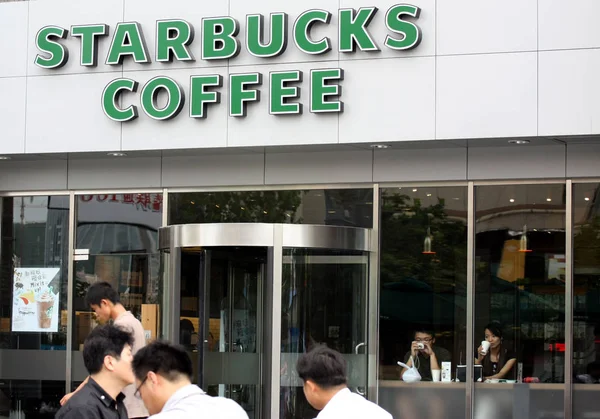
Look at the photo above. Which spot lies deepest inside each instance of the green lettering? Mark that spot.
(172, 40)
(302, 32)
(320, 90)
(239, 95)
(58, 55)
(200, 98)
(219, 40)
(277, 40)
(149, 96)
(109, 100)
(280, 93)
(89, 42)
(128, 40)
(410, 32)
(353, 32)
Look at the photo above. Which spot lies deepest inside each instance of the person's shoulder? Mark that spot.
(365, 406)
(233, 410)
(442, 352)
(77, 408)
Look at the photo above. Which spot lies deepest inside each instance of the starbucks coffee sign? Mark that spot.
(219, 42)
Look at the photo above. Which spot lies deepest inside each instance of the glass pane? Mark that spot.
(520, 300)
(423, 297)
(586, 301)
(33, 304)
(232, 338)
(120, 231)
(323, 302)
(351, 207)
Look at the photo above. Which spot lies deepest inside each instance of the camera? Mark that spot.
(420, 345)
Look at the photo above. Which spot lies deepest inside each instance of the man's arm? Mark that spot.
(66, 397)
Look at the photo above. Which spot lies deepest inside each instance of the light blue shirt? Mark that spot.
(191, 402)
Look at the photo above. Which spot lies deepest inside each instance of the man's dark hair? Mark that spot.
(163, 358)
(101, 291)
(102, 341)
(323, 366)
(424, 330)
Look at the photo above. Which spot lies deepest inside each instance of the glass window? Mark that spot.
(33, 304)
(347, 207)
(586, 299)
(423, 298)
(120, 232)
(520, 300)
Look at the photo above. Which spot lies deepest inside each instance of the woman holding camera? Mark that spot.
(498, 362)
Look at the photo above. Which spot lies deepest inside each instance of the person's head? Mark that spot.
(323, 371)
(102, 298)
(107, 353)
(160, 369)
(493, 334)
(424, 335)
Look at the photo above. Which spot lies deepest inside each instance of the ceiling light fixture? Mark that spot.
(549, 199)
(380, 146)
(511, 200)
(4, 158)
(415, 190)
(116, 154)
(518, 142)
(586, 198)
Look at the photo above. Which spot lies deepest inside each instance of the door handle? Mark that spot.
(356, 349)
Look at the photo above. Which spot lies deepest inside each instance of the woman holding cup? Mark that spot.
(498, 362)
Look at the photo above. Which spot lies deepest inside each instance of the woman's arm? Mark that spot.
(505, 370)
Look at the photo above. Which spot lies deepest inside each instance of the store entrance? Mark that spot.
(246, 300)
(220, 320)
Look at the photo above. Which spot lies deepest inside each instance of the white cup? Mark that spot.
(485, 345)
(436, 375)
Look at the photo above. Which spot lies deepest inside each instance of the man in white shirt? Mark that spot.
(323, 371)
(163, 376)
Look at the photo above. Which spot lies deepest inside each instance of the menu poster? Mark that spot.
(36, 293)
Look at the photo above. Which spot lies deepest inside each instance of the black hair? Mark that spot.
(163, 358)
(495, 328)
(101, 342)
(101, 291)
(324, 366)
(424, 330)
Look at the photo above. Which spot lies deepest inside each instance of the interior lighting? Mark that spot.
(4, 158)
(511, 200)
(523, 242)
(116, 154)
(380, 146)
(518, 142)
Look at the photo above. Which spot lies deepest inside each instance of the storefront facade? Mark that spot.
(257, 178)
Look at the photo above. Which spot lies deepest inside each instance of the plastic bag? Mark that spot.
(411, 375)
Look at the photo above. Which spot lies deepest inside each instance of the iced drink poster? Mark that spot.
(35, 300)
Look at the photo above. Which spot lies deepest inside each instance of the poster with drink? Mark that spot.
(36, 292)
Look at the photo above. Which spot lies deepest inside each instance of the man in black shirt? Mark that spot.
(107, 357)
(428, 356)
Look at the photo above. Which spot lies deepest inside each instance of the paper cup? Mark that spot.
(436, 375)
(486, 346)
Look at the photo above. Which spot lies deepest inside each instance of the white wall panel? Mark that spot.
(145, 133)
(261, 128)
(388, 100)
(122, 172)
(490, 95)
(147, 12)
(318, 167)
(475, 26)
(426, 23)
(240, 8)
(65, 13)
(214, 170)
(571, 24)
(420, 165)
(64, 114)
(33, 175)
(13, 91)
(13, 36)
(517, 162)
(569, 91)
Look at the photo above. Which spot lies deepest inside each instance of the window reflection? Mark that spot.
(33, 304)
(520, 294)
(586, 298)
(423, 297)
(345, 207)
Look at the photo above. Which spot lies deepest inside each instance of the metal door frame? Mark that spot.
(274, 237)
